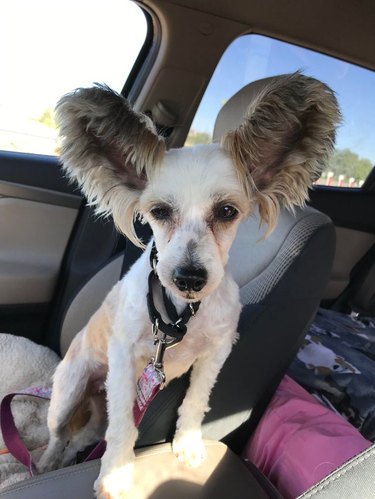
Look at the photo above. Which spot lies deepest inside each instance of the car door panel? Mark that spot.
(33, 238)
(38, 210)
(34, 170)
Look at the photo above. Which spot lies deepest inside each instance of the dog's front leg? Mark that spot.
(187, 443)
(117, 463)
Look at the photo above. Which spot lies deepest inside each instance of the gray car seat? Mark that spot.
(281, 278)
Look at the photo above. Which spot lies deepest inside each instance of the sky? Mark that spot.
(49, 48)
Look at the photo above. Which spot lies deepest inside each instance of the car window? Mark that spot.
(253, 57)
(50, 48)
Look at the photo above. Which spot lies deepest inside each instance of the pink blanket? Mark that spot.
(298, 441)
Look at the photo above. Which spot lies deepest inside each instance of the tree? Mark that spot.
(47, 118)
(348, 163)
(196, 137)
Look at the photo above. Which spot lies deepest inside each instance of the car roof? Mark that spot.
(343, 28)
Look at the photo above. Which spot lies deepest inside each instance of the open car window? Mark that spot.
(253, 57)
(49, 49)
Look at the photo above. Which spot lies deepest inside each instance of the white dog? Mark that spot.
(194, 199)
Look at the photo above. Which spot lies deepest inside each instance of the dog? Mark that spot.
(194, 199)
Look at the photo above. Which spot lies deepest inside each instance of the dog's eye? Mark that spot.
(226, 212)
(161, 212)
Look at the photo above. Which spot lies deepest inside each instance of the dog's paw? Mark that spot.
(189, 448)
(114, 484)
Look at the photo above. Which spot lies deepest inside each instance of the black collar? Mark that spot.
(177, 327)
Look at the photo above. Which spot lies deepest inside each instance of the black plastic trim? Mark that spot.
(145, 58)
(25, 320)
(349, 208)
(35, 170)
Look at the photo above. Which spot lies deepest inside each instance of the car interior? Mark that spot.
(58, 259)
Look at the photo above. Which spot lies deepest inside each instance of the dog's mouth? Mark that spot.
(188, 296)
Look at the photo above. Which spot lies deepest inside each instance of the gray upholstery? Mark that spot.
(88, 300)
(264, 261)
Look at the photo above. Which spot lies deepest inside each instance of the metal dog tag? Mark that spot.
(148, 385)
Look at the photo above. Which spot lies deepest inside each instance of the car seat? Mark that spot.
(281, 279)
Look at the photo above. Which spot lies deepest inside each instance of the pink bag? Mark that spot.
(299, 441)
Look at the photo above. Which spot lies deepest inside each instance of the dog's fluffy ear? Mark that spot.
(109, 149)
(283, 143)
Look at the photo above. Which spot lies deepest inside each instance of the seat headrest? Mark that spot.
(233, 111)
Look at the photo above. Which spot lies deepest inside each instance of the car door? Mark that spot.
(49, 240)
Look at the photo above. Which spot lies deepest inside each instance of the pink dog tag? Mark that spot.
(148, 385)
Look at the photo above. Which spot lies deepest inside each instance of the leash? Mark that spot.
(151, 381)
(12, 439)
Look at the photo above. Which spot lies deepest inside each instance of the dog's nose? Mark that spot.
(190, 278)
